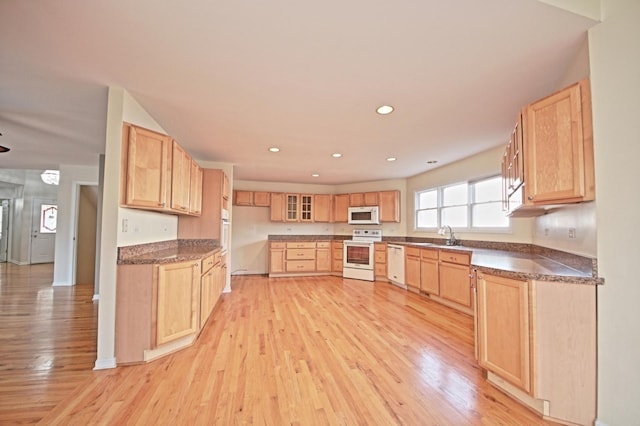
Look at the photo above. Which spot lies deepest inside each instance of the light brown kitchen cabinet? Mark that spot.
(208, 297)
(276, 257)
(207, 224)
(226, 191)
(306, 208)
(389, 206)
(537, 340)
(300, 257)
(380, 260)
(454, 271)
(556, 153)
(146, 169)
(277, 207)
(323, 256)
(337, 253)
(242, 198)
(177, 307)
(503, 329)
(341, 208)
(195, 189)
(429, 272)
(356, 199)
(412, 267)
(261, 199)
(322, 207)
(292, 207)
(180, 179)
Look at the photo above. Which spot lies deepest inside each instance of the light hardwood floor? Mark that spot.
(302, 351)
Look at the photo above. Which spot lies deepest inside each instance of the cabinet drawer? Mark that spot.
(429, 254)
(278, 245)
(380, 270)
(207, 263)
(301, 245)
(323, 244)
(412, 251)
(455, 257)
(301, 254)
(381, 257)
(380, 247)
(301, 266)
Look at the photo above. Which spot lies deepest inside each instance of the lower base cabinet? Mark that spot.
(540, 338)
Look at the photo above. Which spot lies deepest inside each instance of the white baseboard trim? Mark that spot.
(105, 363)
(95, 298)
(600, 423)
(61, 284)
(15, 262)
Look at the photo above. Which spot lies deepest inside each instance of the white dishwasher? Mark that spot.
(395, 264)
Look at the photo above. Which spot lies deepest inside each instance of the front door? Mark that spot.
(43, 230)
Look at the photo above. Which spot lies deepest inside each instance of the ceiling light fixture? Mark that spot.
(432, 161)
(4, 149)
(336, 155)
(391, 159)
(274, 149)
(384, 109)
(315, 175)
(50, 177)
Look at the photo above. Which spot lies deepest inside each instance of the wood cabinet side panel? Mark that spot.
(134, 300)
(208, 224)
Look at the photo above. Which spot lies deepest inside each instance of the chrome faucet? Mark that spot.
(451, 241)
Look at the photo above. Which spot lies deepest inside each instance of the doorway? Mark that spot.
(4, 230)
(43, 230)
(86, 229)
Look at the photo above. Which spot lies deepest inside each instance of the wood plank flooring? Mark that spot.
(300, 351)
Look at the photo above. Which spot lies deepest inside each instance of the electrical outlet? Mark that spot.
(572, 232)
(546, 232)
(125, 225)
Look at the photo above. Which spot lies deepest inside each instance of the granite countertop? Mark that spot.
(513, 260)
(166, 252)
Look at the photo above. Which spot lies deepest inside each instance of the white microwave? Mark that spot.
(364, 215)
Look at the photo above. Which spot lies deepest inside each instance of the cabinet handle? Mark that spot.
(530, 198)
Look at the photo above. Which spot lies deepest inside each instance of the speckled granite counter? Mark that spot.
(513, 260)
(166, 251)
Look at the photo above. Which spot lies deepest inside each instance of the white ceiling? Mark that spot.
(228, 79)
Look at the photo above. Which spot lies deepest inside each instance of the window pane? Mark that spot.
(428, 199)
(427, 219)
(489, 215)
(488, 190)
(455, 195)
(455, 216)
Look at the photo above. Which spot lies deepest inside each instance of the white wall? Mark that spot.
(71, 177)
(482, 165)
(615, 81)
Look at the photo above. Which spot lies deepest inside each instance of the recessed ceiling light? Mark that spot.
(274, 149)
(432, 161)
(336, 155)
(315, 175)
(384, 109)
(391, 159)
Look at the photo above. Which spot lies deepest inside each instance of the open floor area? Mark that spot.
(304, 350)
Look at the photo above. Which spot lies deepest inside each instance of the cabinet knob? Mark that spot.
(530, 198)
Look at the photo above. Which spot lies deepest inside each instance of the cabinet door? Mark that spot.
(322, 208)
(503, 328)
(277, 207)
(555, 154)
(341, 208)
(292, 207)
(389, 206)
(180, 179)
(412, 267)
(178, 300)
(429, 277)
(261, 199)
(195, 190)
(276, 258)
(454, 283)
(243, 198)
(147, 170)
(337, 256)
(370, 198)
(323, 259)
(306, 208)
(356, 199)
(206, 296)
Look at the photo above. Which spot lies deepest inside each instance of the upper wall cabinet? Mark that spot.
(550, 161)
(156, 173)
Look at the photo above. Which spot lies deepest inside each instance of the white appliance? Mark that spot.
(358, 256)
(364, 215)
(395, 265)
(224, 231)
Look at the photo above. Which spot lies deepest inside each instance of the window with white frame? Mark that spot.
(473, 205)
